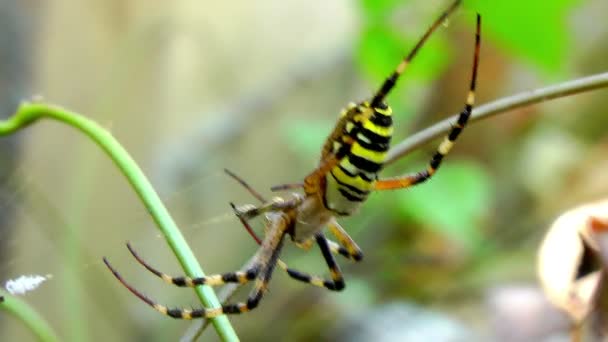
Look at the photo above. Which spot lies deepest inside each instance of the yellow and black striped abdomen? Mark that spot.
(350, 182)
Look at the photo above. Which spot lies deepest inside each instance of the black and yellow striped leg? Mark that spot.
(260, 285)
(337, 281)
(324, 245)
(378, 99)
(349, 247)
(448, 142)
(352, 252)
(240, 277)
(266, 261)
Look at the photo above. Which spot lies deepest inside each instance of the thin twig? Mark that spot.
(500, 106)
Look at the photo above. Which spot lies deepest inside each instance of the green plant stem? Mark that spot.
(28, 113)
(30, 317)
(500, 106)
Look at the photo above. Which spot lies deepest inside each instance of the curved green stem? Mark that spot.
(30, 317)
(31, 112)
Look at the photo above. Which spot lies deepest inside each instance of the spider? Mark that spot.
(351, 159)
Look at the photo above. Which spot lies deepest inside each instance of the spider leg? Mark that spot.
(240, 277)
(336, 283)
(351, 252)
(248, 212)
(267, 255)
(390, 82)
(337, 280)
(348, 247)
(284, 187)
(248, 187)
(448, 142)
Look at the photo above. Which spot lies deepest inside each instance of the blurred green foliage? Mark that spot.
(534, 30)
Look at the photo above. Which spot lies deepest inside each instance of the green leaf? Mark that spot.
(535, 30)
(453, 202)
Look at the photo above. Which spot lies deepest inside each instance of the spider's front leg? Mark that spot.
(448, 142)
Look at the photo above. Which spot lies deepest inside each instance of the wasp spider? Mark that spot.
(351, 158)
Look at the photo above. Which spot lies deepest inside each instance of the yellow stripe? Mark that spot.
(214, 280)
(471, 98)
(210, 313)
(186, 314)
(388, 111)
(360, 151)
(445, 146)
(382, 131)
(356, 182)
(316, 282)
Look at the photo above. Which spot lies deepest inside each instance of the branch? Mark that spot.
(500, 106)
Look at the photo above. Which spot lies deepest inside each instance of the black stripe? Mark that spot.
(436, 160)
(364, 164)
(253, 302)
(381, 120)
(373, 147)
(454, 133)
(363, 175)
(421, 177)
(375, 138)
(197, 313)
(337, 283)
(350, 196)
(389, 83)
(175, 313)
(250, 274)
(464, 116)
(230, 277)
(179, 281)
(349, 187)
(382, 105)
(231, 309)
(299, 275)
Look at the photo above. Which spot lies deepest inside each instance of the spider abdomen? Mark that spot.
(349, 183)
